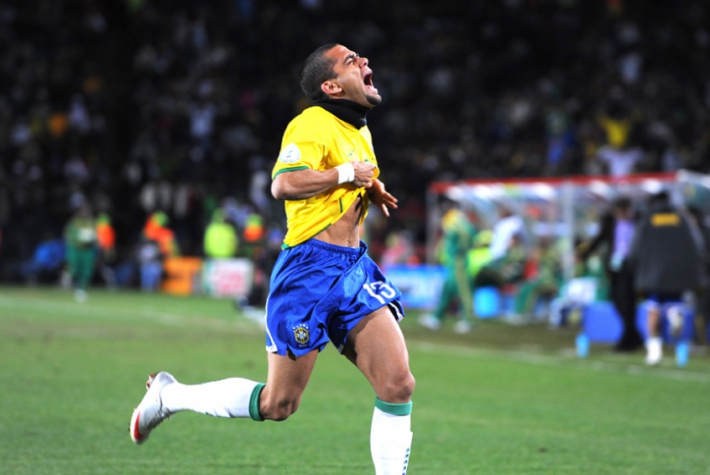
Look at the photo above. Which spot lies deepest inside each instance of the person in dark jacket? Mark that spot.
(616, 231)
(667, 259)
(702, 305)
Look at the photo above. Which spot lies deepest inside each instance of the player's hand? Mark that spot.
(381, 198)
(364, 173)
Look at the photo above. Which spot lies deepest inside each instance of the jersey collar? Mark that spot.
(345, 110)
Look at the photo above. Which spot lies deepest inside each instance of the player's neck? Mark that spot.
(345, 110)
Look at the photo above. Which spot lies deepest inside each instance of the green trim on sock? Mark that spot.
(394, 408)
(254, 412)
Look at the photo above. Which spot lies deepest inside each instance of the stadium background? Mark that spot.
(122, 103)
(98, 100)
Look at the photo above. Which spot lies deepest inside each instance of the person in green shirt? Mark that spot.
(456, 241)
(545, 283)
(81, 239)
(505, 270)
(220, 237)
(479, 256)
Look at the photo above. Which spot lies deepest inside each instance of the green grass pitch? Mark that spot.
(501, 400)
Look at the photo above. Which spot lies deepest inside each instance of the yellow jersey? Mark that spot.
(318, 140)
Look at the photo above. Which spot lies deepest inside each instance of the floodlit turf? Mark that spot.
(501, 400)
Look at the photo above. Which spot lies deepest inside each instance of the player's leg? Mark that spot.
(526, 299)
(287, 379)
(624, 296)
(86, 268)
(376, 346)
(465, 295)
(654, 343)
(239, 397)
(230, 398)
(433, 321)
(702, 316)
(72, 264)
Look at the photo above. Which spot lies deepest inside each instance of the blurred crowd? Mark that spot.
(136, 107)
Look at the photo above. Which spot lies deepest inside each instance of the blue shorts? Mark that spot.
(319, 292)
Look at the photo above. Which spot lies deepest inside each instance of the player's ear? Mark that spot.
(331, 88)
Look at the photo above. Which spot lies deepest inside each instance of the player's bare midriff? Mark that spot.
(344, 232)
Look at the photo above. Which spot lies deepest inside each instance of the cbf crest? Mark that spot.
(301, 334)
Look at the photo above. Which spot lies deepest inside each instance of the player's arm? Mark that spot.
(306, 183)
(381, 198)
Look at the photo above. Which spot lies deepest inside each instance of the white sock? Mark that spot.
(390, 442)
(654, 349)
(226, 398)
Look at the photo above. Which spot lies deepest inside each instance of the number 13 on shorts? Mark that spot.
(380, 290)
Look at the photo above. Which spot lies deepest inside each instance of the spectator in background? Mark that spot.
(106, 240)
(509, 269)
(156, 229)
(46, 262)
(588, 285)
(400, 249)
(616, 232)
(616, 120)
(254, 230)
(157, 244)
(667, 260)
(255, 246)
(150, 261)
(619, 157)
(620, 161)
(545, 283)
(456, 241)
(221, 239)
(508, 225)
(81, 241)
(263, 254)
(479, 256)
(202, 116)
(179, 104)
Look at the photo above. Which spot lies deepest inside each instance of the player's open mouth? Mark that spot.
(368, 83)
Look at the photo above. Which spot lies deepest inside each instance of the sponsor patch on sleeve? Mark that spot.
(290, 153)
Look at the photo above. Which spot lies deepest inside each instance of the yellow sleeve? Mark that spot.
(303, 146)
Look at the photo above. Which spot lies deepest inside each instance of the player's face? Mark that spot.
(354, 81)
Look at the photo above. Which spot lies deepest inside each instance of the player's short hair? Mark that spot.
(316, 69)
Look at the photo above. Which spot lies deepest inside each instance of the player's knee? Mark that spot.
(399, 387)
(279, 409)
(283, 413)
(407, 385)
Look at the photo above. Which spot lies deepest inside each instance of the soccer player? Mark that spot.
(666, 256)
(456, 241)
(324, 286)
(80, 238)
